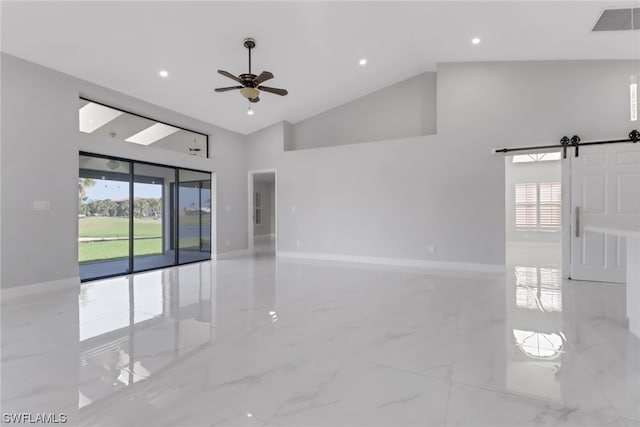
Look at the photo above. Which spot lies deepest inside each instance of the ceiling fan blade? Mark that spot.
(263, 77)
(224, 89)
(281, 92)
(228, 74)
(254, 100)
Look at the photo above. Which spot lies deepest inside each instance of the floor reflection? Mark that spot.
(134, 327)
(538, 345)
(539, 288)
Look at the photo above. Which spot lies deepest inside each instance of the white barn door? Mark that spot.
(605, 192)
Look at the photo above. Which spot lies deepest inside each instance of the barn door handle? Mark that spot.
(577, 222)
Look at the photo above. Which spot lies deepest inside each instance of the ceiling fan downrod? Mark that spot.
(249, 43)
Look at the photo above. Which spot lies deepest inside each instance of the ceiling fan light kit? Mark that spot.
(250, 83)
(249, 92)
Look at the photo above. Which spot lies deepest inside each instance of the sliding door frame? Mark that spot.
(173, 208)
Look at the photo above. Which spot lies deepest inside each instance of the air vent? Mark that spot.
(618, 20)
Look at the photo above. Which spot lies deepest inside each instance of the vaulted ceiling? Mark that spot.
(312, 48)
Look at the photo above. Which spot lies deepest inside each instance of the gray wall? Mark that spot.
(39, 161)
(391, 198)
(396, 198)
(402, 110)
(534, 172)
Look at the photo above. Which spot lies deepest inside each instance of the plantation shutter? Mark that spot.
(526, 205)
(550, 205)
(257, 204)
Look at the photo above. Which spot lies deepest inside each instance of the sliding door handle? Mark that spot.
(577, 222)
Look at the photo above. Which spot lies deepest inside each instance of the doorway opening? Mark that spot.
(262, 218)
(576, 214)
(534, 211)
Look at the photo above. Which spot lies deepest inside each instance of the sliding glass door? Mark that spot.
(151, 230)
(131, 214)
(194, 215)
(103, 217)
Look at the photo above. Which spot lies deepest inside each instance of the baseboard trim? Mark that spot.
(231, 254)
(22, 291)
(264, 236)
(399, 262)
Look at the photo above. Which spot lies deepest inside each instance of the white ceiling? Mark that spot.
(312, 48)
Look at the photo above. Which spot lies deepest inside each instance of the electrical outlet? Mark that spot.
(432, 249)
(293, 208)
(228, 243)
(227, 208)
(298, 243)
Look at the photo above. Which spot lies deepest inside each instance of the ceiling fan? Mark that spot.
(251, 83)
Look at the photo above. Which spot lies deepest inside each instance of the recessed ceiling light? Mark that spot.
(164, 73)
(475, 40)
(362, 62)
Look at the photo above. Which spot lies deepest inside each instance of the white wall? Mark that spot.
(531, 172)
(404, 109)
(396, 198)
(39, 159)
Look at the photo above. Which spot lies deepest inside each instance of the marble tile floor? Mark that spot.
(260, 341)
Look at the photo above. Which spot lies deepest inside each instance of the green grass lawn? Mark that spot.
(144, 228)
(104, 226)
(100, 251)
(194, 219)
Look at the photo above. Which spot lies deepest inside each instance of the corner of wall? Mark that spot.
(287, 143)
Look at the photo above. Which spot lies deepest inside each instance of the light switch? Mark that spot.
(41, 205)
(227, 208)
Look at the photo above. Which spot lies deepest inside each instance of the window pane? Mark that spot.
(550, 204)
(97, 119)
(103, 223)
(536, 157)
(526, 205)
(151, 228)
(194, 216)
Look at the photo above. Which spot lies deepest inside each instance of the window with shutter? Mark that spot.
(538, 205)
(526, 205)
(550, 205)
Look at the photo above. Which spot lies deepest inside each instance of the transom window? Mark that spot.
(104, 121)
(536, 157)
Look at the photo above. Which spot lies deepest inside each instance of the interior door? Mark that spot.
(605, 192)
